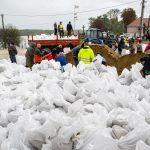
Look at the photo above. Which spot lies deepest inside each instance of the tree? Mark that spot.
(128, 15)
(11, 34)
(106, 22)
(97, 23)
(113, 13)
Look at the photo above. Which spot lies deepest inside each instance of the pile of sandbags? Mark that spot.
(82, 108)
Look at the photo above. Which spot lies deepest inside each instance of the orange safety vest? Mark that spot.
(37, 58)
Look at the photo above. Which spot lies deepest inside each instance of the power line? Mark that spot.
(71, 13)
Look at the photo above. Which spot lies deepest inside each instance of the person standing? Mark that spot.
(60, 30)
(147, 49)
(131, 46)
(69, 29)
(12, 52)
(55, 28)
(38, 54)
(121, 45)
(76, 52)
(86, 54)
(61, 58)
(146, 66)
(139, 47)
(30, 55)
(59, 49)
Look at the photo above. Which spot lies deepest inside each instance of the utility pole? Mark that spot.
(142, 15)
(148, 24)
(83, 27)
(3, 33)
(2, 15)
(75, 13)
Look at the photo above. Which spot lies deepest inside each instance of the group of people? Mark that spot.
(35, 54)
(132, 45)
(59, 29)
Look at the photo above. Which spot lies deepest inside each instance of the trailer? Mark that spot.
(55, 41)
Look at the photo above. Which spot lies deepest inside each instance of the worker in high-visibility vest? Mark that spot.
(61, 30)
(86, 54)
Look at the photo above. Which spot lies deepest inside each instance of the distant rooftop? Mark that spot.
(136, 23)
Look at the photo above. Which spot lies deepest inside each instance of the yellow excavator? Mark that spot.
(112, 58)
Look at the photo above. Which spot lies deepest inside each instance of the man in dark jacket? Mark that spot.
(69, 29)
(59, 49)
(146, 66)
(75, 53)
(55, 28)
(30, 55)
(12, 52)
(121, 45)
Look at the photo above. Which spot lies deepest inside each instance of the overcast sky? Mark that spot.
(10, 8)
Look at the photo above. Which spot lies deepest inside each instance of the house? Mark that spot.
(134, 26)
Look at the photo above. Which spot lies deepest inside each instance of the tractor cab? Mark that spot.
(94, 35)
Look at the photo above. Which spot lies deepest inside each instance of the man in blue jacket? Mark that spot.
(62, 59)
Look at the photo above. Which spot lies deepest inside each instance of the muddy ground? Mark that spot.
(4, 53)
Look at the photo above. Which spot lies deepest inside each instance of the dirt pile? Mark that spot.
(113, 58)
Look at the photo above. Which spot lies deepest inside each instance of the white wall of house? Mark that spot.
(132, 30)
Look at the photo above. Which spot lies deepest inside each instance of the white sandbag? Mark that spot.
(70, 87)
(140, 145)
(119, 116)
(49, 129)
(148, 81)
(47, 147)
(125, 77)
(3, 119)
(36, 139)
(118, 132)
(128, 142)
(21, 60)
(3, 134)
(147, 118)
(16, 136)
(100, 140)
(68, 96)
(135, 70)
(5, 145)
(57, 145)
(67, 132)
(2, 68)
(135, 119)
(75, 108)
(12, 117)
